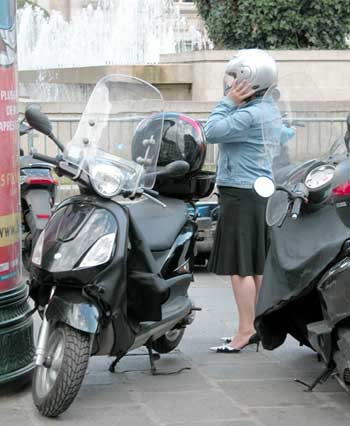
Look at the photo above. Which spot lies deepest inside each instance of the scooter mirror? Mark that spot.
(264, 187)
(24, 128)
(341, 191)
(347, 134)
(341, 174)
(175, 169)
(39, 121)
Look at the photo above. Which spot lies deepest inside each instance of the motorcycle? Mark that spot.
(111, 270)
(305, 291)
(38, 193)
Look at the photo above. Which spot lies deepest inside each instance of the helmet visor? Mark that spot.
(228, 82)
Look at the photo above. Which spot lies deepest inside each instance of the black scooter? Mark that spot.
(306, 290)
(38, 193)
(110, 275)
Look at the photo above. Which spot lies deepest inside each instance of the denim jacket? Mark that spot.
(243, 156)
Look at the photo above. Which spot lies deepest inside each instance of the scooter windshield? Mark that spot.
(297, 133)
(118, 138)
(295, 125)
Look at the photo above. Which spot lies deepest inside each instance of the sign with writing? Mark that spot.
(10, 272)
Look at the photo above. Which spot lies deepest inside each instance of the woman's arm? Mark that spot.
(287, 133)
(227, 123)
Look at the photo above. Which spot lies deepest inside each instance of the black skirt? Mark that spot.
(241, 238)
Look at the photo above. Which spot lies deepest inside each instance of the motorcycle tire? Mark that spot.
(201, 260)
(55, 386)
(169, 341)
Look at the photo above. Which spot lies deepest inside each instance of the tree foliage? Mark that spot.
(277, 24)
(22, 3)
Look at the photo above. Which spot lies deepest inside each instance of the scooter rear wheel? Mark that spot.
(169, 341)
(56, 384)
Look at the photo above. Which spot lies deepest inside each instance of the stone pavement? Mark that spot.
(246, 389)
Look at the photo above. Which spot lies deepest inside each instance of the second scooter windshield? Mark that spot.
(295, 129)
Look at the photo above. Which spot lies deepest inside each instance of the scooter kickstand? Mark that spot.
(322, 378)
(152, 357)
(112, 366)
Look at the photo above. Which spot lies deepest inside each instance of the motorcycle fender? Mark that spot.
(38, 202)
(81, 316)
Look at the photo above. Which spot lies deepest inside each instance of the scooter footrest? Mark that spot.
(320, 337)
(318, 328)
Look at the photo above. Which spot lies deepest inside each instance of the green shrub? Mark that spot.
(277, 24)
(21, 3)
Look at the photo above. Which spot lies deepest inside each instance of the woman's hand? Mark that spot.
(239, 92)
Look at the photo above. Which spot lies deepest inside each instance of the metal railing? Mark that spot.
(319, 134)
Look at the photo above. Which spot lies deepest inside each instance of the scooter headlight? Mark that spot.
(106, 179)
(38, 250)
(100, 252)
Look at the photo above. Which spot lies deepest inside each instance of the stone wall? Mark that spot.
(192, 83)
(330, 71)
(197, 76)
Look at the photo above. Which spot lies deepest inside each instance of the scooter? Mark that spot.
(111, 270)
(38, 193)
(207, 217)
(305, 290)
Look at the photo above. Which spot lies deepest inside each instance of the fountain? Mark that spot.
(54, 53)
(115, 32)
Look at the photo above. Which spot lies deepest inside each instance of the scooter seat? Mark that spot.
(159, 225)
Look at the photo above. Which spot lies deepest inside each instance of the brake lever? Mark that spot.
(280, 224)
(154, 199)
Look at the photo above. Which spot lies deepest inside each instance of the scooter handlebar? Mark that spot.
(296, 208)
(46, 158)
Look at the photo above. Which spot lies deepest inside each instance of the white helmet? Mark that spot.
(253, 65)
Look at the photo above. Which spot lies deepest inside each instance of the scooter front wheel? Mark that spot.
(57, 382)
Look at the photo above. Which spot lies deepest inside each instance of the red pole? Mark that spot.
(16, 323)
(9, 161)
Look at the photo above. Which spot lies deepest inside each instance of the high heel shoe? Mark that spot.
(227, 349)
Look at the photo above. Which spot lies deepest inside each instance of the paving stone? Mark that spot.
(301, 416)
(14, 417)
(203, 279)
(340, 400)
(269, 393)
(16, 399)
(103, 396)
(201, 354)
(130, 415)
(187, 380)
(208, 405)
(239, 422)
(238, 371)
(246, 389)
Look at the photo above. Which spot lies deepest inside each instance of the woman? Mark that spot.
(241, 238)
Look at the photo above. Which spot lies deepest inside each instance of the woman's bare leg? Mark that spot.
(244, 290)
(258, 282)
